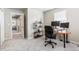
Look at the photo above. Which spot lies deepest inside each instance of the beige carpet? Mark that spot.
(35, 45)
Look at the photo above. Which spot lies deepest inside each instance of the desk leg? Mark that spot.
(60, 38)
(45, 38)
(67, 41)
(64, 41)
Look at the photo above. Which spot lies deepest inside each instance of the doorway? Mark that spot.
(17, 26)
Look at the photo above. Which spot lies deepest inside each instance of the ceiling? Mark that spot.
(40, 9)
(43, 9)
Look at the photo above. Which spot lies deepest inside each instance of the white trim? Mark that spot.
(11, 24)
(74, 42)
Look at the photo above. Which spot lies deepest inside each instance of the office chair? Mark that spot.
(49, 34)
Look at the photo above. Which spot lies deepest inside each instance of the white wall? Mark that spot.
(48, 17)
(73, 17)
(33, 15)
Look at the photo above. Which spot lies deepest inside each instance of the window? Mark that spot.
(60, 16)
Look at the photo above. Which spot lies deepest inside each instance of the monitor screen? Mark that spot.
(55, 23)
(65, 25)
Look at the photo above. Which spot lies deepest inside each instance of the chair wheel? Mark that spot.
(55, 43)
(45, 45)
(61, 40)
(52, 46)
(45, 41)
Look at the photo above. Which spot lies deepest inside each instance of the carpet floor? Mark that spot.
(36, 45)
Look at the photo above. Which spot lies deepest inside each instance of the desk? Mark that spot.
(65, 37)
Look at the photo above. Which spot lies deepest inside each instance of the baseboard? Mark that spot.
(30, 38)
(74, 42)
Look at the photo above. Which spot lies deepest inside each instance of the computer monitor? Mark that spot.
(65, 25)
(55, 23)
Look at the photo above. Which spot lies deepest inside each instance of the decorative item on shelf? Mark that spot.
(38, 29)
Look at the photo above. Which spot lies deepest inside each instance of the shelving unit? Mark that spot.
(38, 29)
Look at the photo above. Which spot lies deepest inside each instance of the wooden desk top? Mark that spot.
(64, 32)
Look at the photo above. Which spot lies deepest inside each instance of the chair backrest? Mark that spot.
(48, 31)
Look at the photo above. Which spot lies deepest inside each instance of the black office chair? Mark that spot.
(49, 34)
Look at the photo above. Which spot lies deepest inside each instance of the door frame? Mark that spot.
(17, 13)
